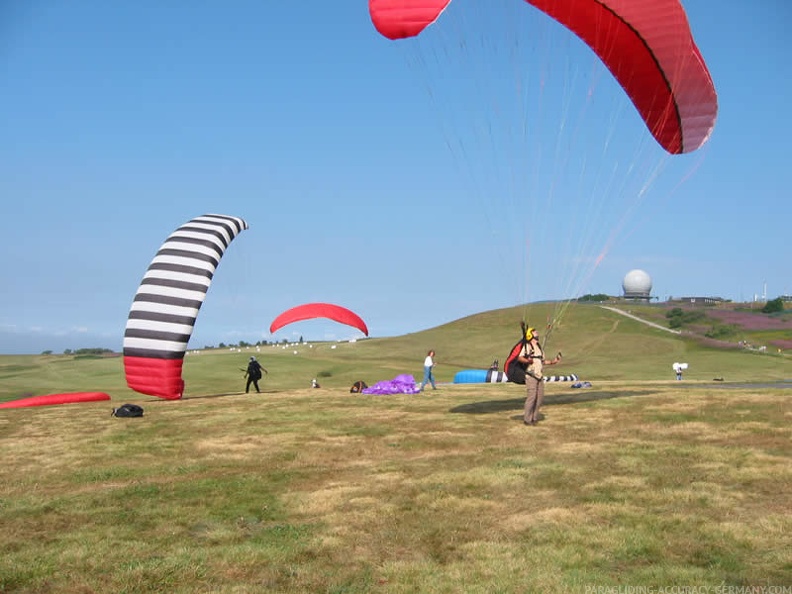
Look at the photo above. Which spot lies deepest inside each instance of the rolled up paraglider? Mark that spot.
(167, 302)
(646, 44)
(480, 376)
(561, 378)
(489, 376)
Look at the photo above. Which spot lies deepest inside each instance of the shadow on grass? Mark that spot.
(494, 406)
(782, 384)
(262, 393)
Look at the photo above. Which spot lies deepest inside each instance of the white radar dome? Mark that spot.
(637, 284)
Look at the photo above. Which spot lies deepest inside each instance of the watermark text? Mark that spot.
(721, 589)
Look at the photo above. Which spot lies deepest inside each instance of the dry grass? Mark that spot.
(323, 491)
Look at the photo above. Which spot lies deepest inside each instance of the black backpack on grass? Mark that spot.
(128, 410)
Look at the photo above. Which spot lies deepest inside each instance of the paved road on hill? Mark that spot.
(652, 324)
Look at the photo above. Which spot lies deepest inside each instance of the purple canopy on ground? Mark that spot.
(401, 384)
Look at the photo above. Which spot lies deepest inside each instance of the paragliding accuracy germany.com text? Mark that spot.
(720, 589)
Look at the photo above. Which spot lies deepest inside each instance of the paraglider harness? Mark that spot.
(254, 370)
(128, 410)
(516, 370)
(358, 387)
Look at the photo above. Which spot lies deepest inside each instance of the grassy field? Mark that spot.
(637, 481)
(598, 345)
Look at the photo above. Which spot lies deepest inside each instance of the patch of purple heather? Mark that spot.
(748, 321)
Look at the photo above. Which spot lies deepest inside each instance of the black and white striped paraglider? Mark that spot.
(166, 304)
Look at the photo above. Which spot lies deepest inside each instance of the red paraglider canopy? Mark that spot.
(310, 311)
(646, 44)
(49, 399)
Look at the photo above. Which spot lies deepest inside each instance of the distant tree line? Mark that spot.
(599, 297)
(104, 351)
(83, 352)
(243, 344)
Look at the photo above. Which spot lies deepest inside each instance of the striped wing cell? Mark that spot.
(167, 302)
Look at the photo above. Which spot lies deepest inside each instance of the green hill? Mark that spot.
(598, 345)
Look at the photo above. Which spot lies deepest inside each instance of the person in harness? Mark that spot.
(525, 366)
(532, 356)
(253, 374)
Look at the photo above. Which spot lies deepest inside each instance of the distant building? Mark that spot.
(637, 286)
(700, 300)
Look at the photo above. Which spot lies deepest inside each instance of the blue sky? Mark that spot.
(396, 179)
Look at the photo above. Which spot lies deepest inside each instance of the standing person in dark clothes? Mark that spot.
(253, 374)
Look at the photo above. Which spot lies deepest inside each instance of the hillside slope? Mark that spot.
(598, 345)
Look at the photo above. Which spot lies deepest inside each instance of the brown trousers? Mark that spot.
(534, 392)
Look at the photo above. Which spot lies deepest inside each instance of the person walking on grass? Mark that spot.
(428, 377)
(253, 374)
